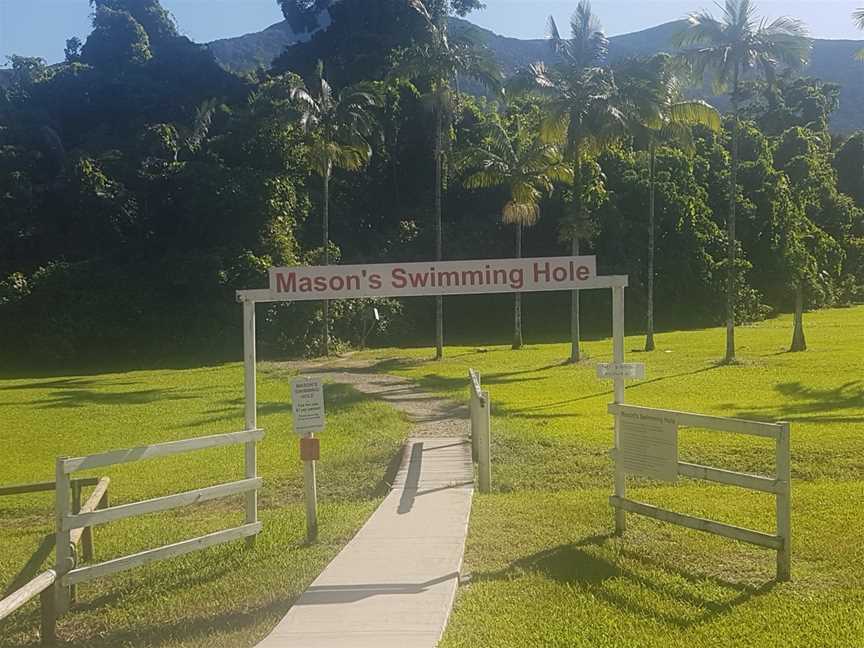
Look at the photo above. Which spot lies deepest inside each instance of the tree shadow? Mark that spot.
(338, 398)
(811, 404)
(582, 565)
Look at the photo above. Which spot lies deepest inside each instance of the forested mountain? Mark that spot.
(832, 61)
(142, 184)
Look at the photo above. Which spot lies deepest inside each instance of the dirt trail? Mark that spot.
(430, 416)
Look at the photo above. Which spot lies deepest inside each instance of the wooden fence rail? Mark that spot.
(70, 521)
(39, 586)
(779, 485)
(42, 584)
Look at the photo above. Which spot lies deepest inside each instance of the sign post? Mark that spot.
(307, 406)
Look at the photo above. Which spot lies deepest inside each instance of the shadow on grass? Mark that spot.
(81, 392)
(581, 565)
(520, 412)
(811, 404)
(338, 398)
(33, 566)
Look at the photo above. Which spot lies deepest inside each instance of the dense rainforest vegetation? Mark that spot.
(141, 184)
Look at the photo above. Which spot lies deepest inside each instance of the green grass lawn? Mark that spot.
(224, 596)
(545, 569)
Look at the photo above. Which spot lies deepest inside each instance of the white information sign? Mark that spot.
(307, 405)
(649, 445)
(621, 370)
(306, 283)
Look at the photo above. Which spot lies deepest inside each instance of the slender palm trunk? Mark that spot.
(439, 245)
(649, 337)
(799, 342)
(325, 343)
(733, 204)
(517, 313)
(575, 328)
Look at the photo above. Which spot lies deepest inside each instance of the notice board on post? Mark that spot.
(307, 405)
(649, 445)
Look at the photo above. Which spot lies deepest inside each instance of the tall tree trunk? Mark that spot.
(517, 313)
(325, 343)
(799, 342)
(575, 329)
(649, 337)
(733, 205)
(439, 243)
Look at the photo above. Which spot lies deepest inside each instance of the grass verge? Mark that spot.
(546, 572)
(224, 596)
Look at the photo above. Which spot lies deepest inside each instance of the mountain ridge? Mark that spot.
(832, 60)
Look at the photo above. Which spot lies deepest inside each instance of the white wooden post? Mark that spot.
(472, 411)
(618, 357)
(63, 540)
(310, 492)
(484, 459)
(784, 503)
(251, 409)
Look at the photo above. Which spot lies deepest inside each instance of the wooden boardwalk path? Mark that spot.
(393, 585)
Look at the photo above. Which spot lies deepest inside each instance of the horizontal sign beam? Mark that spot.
(698, 524)
(159, 450)
(308, 283)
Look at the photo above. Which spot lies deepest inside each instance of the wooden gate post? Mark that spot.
(63, 539)
(484, 458)
(618, 357)
(250, 410)
(784, 503)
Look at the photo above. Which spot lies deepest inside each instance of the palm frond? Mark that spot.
(858, 17)
(701, 29)
(517, 213)
(692, 113)
(484, 179)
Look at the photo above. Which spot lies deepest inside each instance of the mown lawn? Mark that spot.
(545, 569)
(224, 596)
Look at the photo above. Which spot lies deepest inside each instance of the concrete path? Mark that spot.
(393, 585)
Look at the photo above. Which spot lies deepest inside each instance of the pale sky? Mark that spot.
(41, 27)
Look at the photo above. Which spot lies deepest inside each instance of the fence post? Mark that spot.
(63, 541)
(251, 410)
(49, 615)
(784, 503)
(618, 357)
(76, 509)
(484, 459)
(472, 411)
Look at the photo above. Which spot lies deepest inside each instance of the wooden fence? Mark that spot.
(68, 574)
(480, 409)
(41, 585)
(779, 485)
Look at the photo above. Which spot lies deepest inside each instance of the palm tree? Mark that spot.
(581, 114)
(436, 64)
(340, 127)
(657, 113)
(727, 48)
(858, 17)
(526, 170)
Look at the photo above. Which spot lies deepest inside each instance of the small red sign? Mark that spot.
(310, 449)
